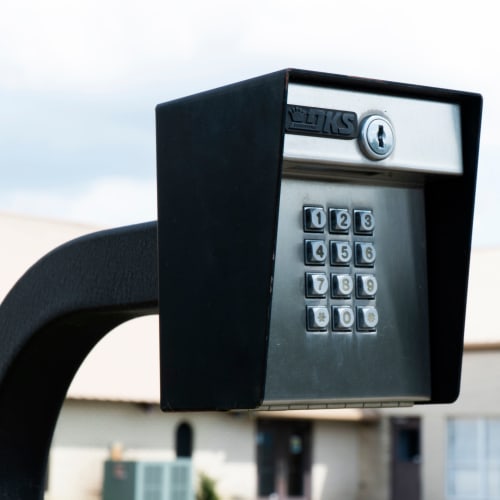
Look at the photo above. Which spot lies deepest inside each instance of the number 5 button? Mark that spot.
(341, 253)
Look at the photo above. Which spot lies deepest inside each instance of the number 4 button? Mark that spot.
(315, 252)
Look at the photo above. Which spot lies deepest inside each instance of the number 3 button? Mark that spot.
(364, 221)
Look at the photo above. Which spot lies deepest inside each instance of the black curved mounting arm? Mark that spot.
(49, 322)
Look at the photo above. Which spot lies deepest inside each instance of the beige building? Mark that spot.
(447, 452)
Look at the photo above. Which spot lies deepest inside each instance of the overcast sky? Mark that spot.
(79, 80)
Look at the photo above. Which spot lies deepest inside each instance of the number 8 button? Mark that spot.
(342, 285)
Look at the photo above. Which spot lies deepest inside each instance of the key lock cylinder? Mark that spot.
(376, 137)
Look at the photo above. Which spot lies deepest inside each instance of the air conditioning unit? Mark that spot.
(127, 480)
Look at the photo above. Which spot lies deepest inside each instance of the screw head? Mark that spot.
(376, 137)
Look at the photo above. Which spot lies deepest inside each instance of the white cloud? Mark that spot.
(121, 43)
(125, 50)
(105, 202)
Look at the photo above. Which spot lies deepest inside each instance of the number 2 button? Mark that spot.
(340, 220)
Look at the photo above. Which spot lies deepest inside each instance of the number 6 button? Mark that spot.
(365, 254)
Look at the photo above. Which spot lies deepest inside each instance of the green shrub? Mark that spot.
(206, 488)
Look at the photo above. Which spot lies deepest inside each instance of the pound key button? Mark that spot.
(318, 318)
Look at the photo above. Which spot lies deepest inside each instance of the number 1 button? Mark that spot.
(314, 219)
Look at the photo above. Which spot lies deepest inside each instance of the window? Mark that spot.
(184, 440)
(473, 459)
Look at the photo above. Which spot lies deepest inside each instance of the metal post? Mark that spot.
(49, 322)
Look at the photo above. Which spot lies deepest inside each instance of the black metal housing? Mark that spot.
(219, 173)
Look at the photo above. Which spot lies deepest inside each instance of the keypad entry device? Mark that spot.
(350, 314)
(314, 239)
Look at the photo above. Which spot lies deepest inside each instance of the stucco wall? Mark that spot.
(223, 446)
(335, 470)
(479, 398)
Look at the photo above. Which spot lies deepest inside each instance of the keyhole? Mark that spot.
(381, 136)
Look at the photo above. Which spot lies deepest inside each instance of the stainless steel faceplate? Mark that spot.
(389, 366)
(426, 133)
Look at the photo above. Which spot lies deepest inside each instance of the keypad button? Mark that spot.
(365, 254)
(364, 222)
(343, 318)
(342, 285)
(340, 220)
(316, 285)
(318, 318)
(341, 253)
(314, 219)
(366, 286)
(367, 318)
(315, 252)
